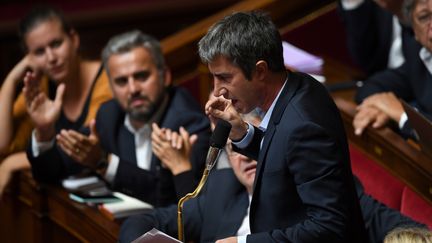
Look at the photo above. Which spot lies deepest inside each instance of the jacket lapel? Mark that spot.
(286, 95)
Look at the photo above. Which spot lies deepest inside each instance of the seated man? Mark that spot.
(222, 210)
(141, 85)
(375, 37)
(411, 82)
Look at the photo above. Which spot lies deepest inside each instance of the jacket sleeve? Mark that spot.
(390, 80)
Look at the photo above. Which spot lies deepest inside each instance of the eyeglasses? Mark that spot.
(423, 19)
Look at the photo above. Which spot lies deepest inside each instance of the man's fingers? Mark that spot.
(380, 121)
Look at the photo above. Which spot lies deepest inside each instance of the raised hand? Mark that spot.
(172, 148)
(43, 111)
(221, 108)
(83, 149)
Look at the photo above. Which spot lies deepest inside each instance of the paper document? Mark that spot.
(155, 236)
(73, 183)
(301, 60)
(126, 207)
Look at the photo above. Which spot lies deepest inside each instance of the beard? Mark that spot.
(144, 112)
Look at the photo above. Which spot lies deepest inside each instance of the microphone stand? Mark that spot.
(195, 193)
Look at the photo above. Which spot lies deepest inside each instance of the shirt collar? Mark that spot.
(266, 119)
(426, 57)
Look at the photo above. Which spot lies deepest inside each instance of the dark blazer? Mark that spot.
(222, 205)
(215, 214)
(303, 191)
(157, 186)
(369, 35)
(411, 82)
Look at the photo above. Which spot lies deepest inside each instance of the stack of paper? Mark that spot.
(301, 60)
(75, 183)
(128, 206)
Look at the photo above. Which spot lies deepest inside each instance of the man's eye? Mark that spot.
(141, 76)
(120, 81)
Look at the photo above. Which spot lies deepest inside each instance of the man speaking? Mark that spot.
(303, 189)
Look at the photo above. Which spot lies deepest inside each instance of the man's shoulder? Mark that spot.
(184, 110)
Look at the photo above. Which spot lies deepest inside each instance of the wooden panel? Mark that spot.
(180, 49)
(390, 150)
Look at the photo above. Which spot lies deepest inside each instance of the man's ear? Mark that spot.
(167, 77)
(261, 69)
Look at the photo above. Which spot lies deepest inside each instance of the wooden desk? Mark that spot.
(34, 213)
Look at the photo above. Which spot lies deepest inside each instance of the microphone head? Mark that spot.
(220, 134)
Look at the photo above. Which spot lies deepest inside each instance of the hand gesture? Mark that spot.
(43, 111)
(367, 115)
(221, 108)
(84, 149)
(173, 149)
(386, 102)
(17, 74)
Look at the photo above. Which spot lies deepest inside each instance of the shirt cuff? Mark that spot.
(247, 139)
(40, 147)
(351, 4)
(403, 119)
(112, 168)
(241, 239)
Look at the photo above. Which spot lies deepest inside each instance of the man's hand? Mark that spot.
(228, 240)
(173, 149)
(43, 111)
(386, 102)
(84, 149)
(367, 115)
(221, 108)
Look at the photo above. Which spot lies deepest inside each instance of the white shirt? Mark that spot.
(143, 150)
(244, 227)
(426, 57)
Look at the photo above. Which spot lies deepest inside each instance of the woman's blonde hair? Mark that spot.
(409, 235)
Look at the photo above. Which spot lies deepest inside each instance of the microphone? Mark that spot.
(217, 141)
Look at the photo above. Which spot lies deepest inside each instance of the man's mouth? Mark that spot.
(137, 102)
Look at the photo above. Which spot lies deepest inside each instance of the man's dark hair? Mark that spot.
(244, 38)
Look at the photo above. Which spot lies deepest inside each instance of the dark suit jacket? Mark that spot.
(221, 207)
(411, 82)
(215, 214)
(304, 191)
(369, 35)
(157, 186)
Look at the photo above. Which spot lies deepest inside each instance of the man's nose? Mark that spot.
(133, 87)
(219, 90)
